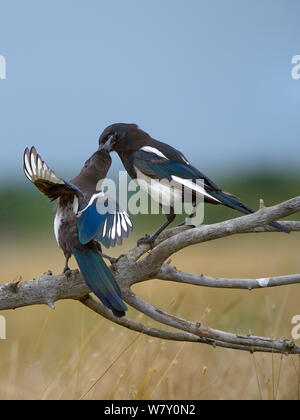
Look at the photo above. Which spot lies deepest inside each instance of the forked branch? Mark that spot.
(141, 264)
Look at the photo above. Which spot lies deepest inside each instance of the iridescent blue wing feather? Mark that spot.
(104, 221)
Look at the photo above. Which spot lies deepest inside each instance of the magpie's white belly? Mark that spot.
(169, 195)
(57, 222)
(160, 192)
(61, 214)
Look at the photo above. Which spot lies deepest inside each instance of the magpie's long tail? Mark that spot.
(233, 203)
(100, 279)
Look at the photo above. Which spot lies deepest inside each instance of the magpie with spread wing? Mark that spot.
(149, 161)
(81, 223)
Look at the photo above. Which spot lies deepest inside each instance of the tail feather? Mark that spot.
(100, 279)
(234, 203)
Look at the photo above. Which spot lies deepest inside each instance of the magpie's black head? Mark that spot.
(122, 137)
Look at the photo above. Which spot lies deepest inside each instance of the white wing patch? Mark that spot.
(116, 223)
(113, 230)
(119, 231)
(93, 198)
(75, 205)
(121, 221)
(121, 226)
(27, 166)
(154, 150)
(104, 228)
(184, 159)
(159, 191)
(57, 223)
(193, 186)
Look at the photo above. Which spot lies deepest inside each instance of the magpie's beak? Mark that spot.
(108, 145)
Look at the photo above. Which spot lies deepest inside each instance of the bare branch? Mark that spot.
(142, 264)
(215, 337)
(44, 290)
(170, 273)
(206, 233)
(131, 324)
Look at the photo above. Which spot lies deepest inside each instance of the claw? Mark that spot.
(67, 272)
(147, 239)
(113, 260)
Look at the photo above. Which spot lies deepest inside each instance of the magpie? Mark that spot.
(149, 161)
(79, 226)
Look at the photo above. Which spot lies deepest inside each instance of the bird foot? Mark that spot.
(113, 260)
(190, 225)
(67, 272)
(188, 221)
(147, 239)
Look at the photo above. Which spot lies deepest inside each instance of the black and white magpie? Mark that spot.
(150, 161)
(79, 226)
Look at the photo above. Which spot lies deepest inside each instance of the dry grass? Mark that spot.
(65, 353)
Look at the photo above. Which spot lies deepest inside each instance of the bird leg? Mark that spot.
(190, 216)
(147, 239)
(112, 260)
(67, 270)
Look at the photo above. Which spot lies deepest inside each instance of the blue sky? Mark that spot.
(212, 78)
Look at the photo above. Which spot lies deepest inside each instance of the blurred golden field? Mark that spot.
(61, 354)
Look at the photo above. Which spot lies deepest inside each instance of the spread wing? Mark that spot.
(108, 226)
(103, 221)
(39, 173)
